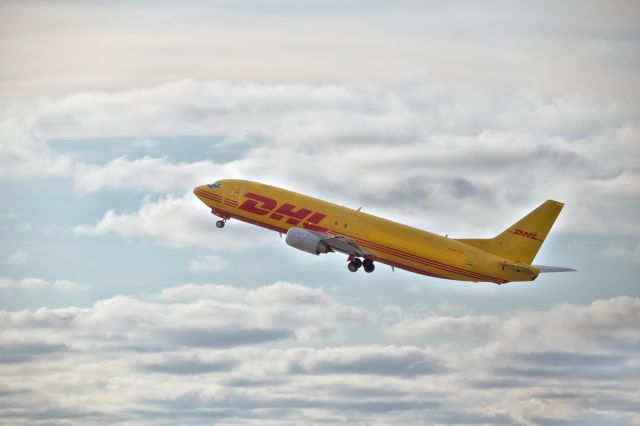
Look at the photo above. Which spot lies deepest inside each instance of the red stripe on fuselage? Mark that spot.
(213, 197)
(257, 222)
(426, 261)
(389, 250)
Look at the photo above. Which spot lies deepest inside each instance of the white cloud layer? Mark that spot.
(202, 353)
(191, 224)
(617, 251)
(147, 174)
(573, 45)
(18, 258)
(31, 284)
(208, 263)
(24, 153)
(579, 328)
(455, 152)
(455, 117)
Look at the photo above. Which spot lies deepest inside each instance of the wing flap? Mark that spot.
(345, 245)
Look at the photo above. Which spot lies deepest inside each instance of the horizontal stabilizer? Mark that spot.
(543, 268)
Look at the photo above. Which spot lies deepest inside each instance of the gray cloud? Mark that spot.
(575, 373)
(494, 45)
(500, 152)
(253, 368)
(471, 418)
(186, 366)
(458, 128)
(563, 365)
(231, 336)
(19, 352)
(568, 359)
(374, 360)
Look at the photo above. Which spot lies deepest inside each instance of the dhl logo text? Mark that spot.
(261, 205)
(520, 232)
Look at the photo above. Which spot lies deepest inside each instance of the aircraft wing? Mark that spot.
(344, 244)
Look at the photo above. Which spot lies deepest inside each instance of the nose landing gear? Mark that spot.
(223, 218)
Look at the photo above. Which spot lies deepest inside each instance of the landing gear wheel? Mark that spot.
(353, 266)
(368, 265)
(357, 261)
(220, 224)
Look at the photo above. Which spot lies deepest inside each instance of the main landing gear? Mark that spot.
(356, 263)
(220, 223)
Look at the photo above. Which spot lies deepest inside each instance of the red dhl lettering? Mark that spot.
(522, 233)
(261, 205)
(251, 205)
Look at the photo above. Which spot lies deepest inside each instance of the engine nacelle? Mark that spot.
(306, 240)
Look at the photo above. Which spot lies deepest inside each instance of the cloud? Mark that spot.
(199, 337)
(620, 252)
(486, 46)
(38, 284)
(193, 292)
(274, 352)
(210, 263)
(562, 365)
(185, 366)
(24, 153)
(440, 327)
(15, 352)
(464, 129)
(603, 323)
(9, 221)
(237, 317)
(522, 147)
(403, 361)
(144, 174)
(18, 258)
(191, 226)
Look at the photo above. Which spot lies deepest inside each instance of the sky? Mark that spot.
(122, 303)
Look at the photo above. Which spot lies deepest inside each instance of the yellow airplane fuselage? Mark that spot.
(385, 241)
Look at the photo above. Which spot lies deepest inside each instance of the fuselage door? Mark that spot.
(235, 195)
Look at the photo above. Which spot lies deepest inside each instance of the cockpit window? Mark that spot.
(215, 185)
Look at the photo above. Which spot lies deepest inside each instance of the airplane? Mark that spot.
(317, 226)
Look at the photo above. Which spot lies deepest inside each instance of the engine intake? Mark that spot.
(306, 240)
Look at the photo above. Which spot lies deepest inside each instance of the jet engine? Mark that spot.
(306, 240)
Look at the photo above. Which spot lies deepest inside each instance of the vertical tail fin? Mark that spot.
(521, 241)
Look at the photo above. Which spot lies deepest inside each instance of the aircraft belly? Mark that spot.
(420, 260)
(432, 255)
